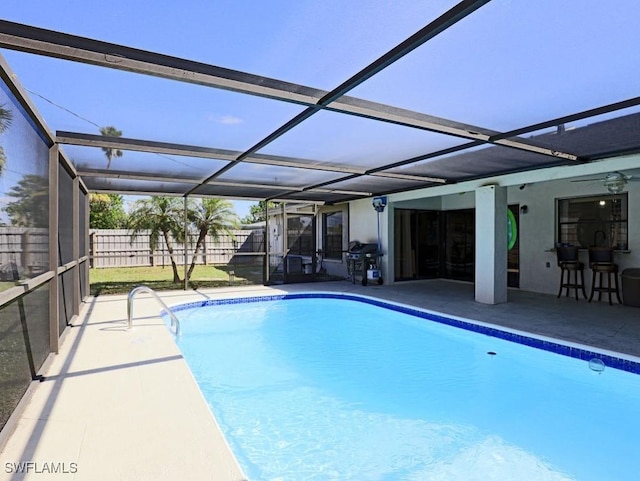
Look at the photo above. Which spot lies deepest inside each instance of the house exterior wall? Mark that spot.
(537, 227)
(363, 227)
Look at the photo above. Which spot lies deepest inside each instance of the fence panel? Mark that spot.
(117, 248)
(24, 251)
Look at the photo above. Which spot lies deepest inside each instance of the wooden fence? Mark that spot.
(23, 251)
(117, 248)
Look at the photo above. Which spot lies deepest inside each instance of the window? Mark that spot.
(332, 235)
(594, 221)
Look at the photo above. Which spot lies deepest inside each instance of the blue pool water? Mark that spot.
(329, 388)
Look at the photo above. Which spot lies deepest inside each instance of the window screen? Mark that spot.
(332, 227)
(597, 221)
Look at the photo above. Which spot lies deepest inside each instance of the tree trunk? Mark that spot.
(201, 237)
(176, 276)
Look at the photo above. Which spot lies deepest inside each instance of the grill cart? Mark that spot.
(363, 260)
(364, 263)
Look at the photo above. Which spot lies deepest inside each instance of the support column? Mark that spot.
(87, 223)
(77, 298)
(491, 245)
(285, 244)
(54, 337)
(266, 238)
(388, 264)
(186, 241)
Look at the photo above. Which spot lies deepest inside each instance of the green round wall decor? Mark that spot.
(512, 230)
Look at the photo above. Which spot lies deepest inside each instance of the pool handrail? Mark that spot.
(175, 323)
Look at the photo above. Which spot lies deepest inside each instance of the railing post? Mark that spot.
(174, 320)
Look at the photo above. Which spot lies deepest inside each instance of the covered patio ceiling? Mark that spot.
(483, 88)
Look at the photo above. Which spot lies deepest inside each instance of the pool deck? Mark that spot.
(123, 405)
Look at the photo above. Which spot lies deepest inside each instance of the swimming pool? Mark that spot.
(330, 386)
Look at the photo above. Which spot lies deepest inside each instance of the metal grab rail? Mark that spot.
(175, 323)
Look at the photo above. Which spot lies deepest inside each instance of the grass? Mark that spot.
(121, 280)
(4, 285)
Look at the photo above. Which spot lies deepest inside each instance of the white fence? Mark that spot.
(117, 248)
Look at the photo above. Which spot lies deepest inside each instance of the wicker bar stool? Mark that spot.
(601, 262)
(568, 262)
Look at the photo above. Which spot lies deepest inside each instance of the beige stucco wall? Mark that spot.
(538, 270)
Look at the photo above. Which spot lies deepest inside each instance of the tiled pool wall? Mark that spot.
(546, 345)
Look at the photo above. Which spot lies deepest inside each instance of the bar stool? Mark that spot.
(568, 262)
(601, 262)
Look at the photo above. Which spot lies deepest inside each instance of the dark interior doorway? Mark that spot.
(441, 244)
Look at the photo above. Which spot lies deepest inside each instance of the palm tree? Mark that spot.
(213, 217)
(30, 209)
(161, 216)
(5, 122)
(257, 212)
(111, 131)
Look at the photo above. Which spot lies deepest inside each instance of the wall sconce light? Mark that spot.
(524, 209)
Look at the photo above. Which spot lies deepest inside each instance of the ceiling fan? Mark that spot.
(615, 182)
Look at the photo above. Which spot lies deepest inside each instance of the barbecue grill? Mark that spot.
(364, 263)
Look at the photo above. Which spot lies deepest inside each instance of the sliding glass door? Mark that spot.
(431, 244)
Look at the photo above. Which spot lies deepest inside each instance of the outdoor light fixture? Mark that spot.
(615, 182)
(379, 203)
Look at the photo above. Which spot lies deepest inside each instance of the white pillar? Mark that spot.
(491, 244)
(388, 264)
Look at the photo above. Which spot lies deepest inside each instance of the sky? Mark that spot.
(510, 64)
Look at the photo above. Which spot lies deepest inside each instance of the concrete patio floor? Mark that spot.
(120, 404)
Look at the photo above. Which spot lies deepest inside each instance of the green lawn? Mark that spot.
(121, 280)
(4, 285)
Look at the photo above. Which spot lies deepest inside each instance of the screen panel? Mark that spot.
(24, 345)
(83, 228)
(356, 141)
(377, 184)
(316, 42)
(612, 133)
(24, 193)
(277, 175)
(65, 216)
(259, 193)
(138, 186)
(146, 107)
(512, 64)
(66, 299)
(478, 162)
(89, 159)
(84, 281)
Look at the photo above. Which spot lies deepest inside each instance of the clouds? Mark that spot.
(224, 119)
